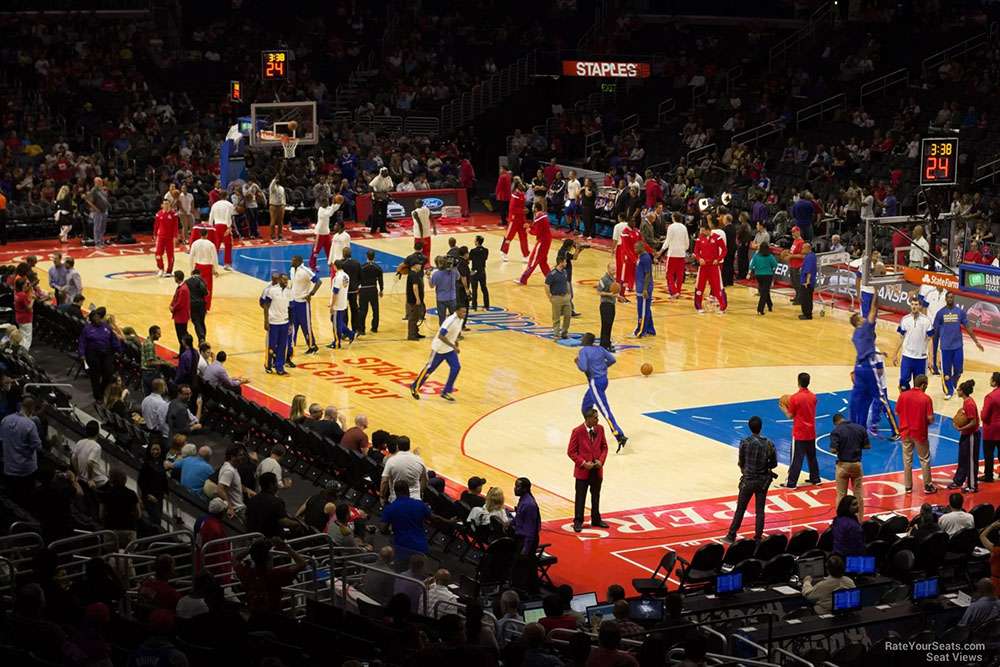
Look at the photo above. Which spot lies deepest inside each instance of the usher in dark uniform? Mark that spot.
(368, 294)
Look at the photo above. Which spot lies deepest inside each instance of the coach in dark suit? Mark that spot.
(588, 449)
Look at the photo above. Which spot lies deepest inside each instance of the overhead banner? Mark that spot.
(932, 278)
(605, 69)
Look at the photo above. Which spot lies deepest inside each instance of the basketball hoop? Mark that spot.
(288, 144)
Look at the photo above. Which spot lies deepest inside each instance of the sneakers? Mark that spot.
(728, 539)
(227, 268)
(952, 486)
(332, 346)
(448, 397)
(621, 443)
(786, 485)
(699, 311)
(312, 350)
(281, 373)
(290, 363)
(414, 393)
(503, 257)
(930, 488)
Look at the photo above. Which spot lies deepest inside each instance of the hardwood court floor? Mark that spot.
(519, 392)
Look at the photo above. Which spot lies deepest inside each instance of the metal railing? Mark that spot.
(422, 126)
(730, 77)
(883, 83)
(664, 110)
(600, 16)
(630, 122)
(677, 655)
(820, 109)
(822, 15)
(345, 587)
(696, 153)
(465, 107)
(698, 93)
(591, 141)
(178, 545)
(74, 552)
(988, 171)
(755, 134)
(953, 51)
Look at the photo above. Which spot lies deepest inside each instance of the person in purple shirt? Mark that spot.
(97, 347)
(527, 518)
(758, 212)
(848, 537)
(807, 275)
(187, 363)
(803, 212)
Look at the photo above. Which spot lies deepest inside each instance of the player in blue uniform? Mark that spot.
(644, 293)
(444, 348)
(869, 396)
(274, 301)
(594, 360)
(948, 324)
(304, 283)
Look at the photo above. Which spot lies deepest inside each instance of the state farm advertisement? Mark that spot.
(605, 69)
(895, 296)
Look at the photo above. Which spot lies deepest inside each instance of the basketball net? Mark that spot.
(288, 145)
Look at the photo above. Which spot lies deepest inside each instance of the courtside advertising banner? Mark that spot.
(605, 69)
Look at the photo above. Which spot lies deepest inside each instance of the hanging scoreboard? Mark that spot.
(939, 161)
(274, 65)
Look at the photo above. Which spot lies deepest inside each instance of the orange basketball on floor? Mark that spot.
(338, 199)
(784, 400)
(960, 420)
(646, 368)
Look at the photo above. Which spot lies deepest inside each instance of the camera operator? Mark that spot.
(444, 280)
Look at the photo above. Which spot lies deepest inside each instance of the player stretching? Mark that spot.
(543, 239)
(709, 250)
(305, 283)
(323, 237)
(423, 226)
(644, 293)
(594, 360)
(948, 325)
(444, 347)
(274, 302)
(220, 216)
(868, 393)
(165, 232)
(517, 222)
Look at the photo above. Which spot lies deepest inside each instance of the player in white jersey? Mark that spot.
(444, 347)
(275, 302)
(220, 216)
(304, 284)
(573, 188)
(423, 226)
(915, 330)
(932, 298)
(340, 284)
(323, 237)
(341, 240)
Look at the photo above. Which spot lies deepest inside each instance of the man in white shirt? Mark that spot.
(276, 198)
(185, 212)
(154, 409)
(230, 487)
(252, 196)
(205, 258)
(572, 200)
(272, 464)
(275, 303)
(339, 285)
(675, 247)
(424, 226)
(323, 239)
(87, 459)
(403, 466)
(340, 241)
(956, 519)
(440, 599)
(867, 207)
(821, 593)
(304, 284)
(916, 330)
(220, 216)
(932, 298)
(920, 249)
(381, 186)
(444, 347)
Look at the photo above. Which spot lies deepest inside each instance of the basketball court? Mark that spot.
(519, 393)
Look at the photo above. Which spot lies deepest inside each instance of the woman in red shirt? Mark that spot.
(968, 444)
(990, 416)
(24, 306)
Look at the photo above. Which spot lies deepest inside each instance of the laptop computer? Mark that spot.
(729, 584)
(533, 615)
(860, 565)
(846, 600)
(602, 611)
(581, 601)
(925, 589)
(812, 567)
(646, 609)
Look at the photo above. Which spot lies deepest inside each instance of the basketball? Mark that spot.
(338, 199)
(960, 420)
(614, 288)
(646, 368)
(293, 125)
(784, 255)
(784, 400)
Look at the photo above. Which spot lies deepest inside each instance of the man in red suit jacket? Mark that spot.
(588, 449)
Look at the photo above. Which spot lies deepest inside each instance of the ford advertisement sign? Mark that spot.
(434, 204)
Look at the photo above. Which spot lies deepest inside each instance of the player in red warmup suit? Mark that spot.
(542, 232)
(710, 251)
(165, 231)
(516, 222)
(630, 237)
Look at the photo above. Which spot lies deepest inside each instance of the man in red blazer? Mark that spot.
(588, 449)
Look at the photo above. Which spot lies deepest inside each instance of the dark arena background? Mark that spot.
(567, 332)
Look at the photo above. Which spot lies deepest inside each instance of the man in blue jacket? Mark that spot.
(594, 360)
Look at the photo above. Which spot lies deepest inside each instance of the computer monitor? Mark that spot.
(729, 584)
(581, 601)
(846, 600)
(646, 609)
(925, 589)
(604, 611)
(533, 615)
(860, 565)
(812, 567)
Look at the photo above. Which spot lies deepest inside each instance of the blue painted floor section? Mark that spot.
(260, 261)
(727, 424)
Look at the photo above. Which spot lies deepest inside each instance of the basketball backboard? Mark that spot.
(272, 120)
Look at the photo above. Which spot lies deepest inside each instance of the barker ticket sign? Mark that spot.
(980, 278)
(605, 69)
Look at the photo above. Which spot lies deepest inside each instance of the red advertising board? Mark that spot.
(605, 69)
